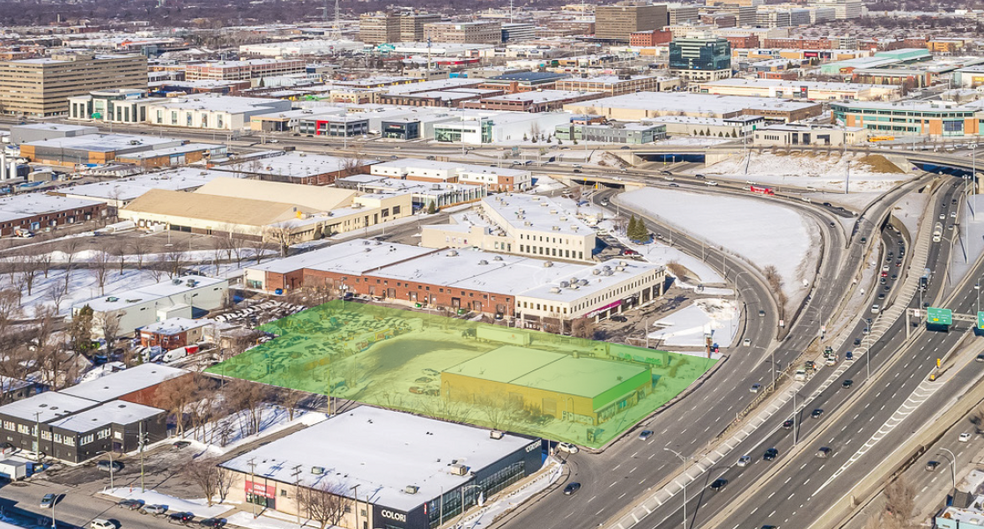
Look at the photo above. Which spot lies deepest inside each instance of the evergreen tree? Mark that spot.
(432, 208)
(80, 329)
(630, 231)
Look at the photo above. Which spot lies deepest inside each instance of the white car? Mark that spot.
(711, 183)
(746, 342)
(875, 309)
(743, 461)
(99, 523)
(567, 447)
(964, 437)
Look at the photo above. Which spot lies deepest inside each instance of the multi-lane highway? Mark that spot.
(632, 469)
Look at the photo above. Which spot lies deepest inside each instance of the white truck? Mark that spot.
(13, 470)
(179, 353)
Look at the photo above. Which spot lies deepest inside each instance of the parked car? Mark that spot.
(571, 488)
(183, 517)
(131, 504)
(47, 501)
(106, 465)
(178, 445)
(212, 522)
(154, 509)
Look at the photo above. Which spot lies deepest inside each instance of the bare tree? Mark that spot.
(138, 247)
(70, 247)
(220, 247)
(158, 267)
(29, 266)
(497, 410)
(247, 398)
(291, 399)
(100, 265)
(109, 326)
(176, 260)
(119, 249)
(204, 471)
(582, 328)
(44, 262)
(56, 293)
(237, 243)
(282, 233)
(260, 249)
(176, 395)
(325, 503)
(900, 503)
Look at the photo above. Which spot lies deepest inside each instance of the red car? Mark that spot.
(629, 251)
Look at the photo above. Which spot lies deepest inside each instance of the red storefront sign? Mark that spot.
(259, 489)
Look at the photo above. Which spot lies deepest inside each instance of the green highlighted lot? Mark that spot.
(535, 383)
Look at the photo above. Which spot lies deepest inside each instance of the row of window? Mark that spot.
(48, 435)
(551, 252)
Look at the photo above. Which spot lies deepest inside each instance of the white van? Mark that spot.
(800, 375)
(179, 353)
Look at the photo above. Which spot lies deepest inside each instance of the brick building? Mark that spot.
(743, 41)
(36, 212)
(647, 39)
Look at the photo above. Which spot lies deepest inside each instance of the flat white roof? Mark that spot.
(128, 298)
(474, 269)
(814, 85)
(114, 412)
(410, 164)
(126, 189)
(114, 386)
(684, 101)
(17, 207)
(382, 452)
(175, 325)
(532, 212)
(350, 257)
(298, 165)
(46, 406)
(104, 142)
(591, 280)
(541, 96)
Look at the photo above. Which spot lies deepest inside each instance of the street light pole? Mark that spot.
(953, 463)
(355, 488)
(684, 483)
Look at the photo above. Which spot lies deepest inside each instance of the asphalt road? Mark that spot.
(795, 494)
(628, 470)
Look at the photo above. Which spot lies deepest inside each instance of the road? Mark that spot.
(798, 491)
(630, 469)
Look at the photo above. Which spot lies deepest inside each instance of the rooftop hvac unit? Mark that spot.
(497, 258)
(620, 268)
(547, 264)
(608, 272)
(317, 471)
(495, 434)
(458, 470)
(622, 263)
(452, 253)
(595, 272)
(411, 489)
(583, 282)
(554, 290)
(483, 262)
(565, 284)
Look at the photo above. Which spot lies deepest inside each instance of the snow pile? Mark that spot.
(198, 506)
(820, 171)
(762, 233)
(226, 434)
(545, 184)
(688, 326)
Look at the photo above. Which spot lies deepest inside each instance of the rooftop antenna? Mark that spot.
(511, 11)
(336, 27)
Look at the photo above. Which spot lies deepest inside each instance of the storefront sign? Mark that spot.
(396, 516)
(259, 489)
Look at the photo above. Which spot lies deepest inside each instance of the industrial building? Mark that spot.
(793, 134)
(120, 192)
(643, 105)
(36, 212)
(910, 118)
(211, 112)
(20, 134)
(299, 168)
(423, 194)
(565, 387)
(491, 178)
(537, 101)
(811, 90)
(101, 149)
(136, 308)
(613, 85)
(420, 482)
(41, 87)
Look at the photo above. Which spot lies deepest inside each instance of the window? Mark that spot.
(46, 435)
(9, 425)
(396, 210)
(88, 439)
(58, 438)
(103, 434)
(218, 121)
(67, 440)
(23, 429)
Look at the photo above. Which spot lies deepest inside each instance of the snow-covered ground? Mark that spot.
(545, 184)
(909, 211)
(688, 326)
(970, 242)
(764, 234)
(226, 434)
(198, 506)
(693, 140)
(826, 173)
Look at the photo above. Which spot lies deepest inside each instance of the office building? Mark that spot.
(379, 27)
(464, 32)
(682, 14)
(700, 58)
(114, 105)
(41, 87)
(620, 21)
(412, 26)
(243, 70)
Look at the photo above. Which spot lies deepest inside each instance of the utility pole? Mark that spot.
(37, 433)
(355, 489)
(142, 443)
(296, 474)
(252, 484)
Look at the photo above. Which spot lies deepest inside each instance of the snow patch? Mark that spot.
(150, 497)
(688, 326)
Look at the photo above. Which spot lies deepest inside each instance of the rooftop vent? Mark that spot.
(547, 264)
(411, 489)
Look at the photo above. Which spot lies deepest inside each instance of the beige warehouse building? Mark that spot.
(41, 87)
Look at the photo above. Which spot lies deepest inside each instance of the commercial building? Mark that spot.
(188, 153)
(35, 212)
(905, 118)
(379, 27)
(93, 149)
(173, 333)
(464, 32)
(243, 70)
(700, 58)
(20, 134)
(648, 39)
(142, 306)
(421, 482)
(492, 178)
(613, 85)
(628, 133)
(538, 101)
(644, 105)
(91, 418)
(514, 32)
(794, 134)
(412, 26)
(114, 105)
(811, 90)
(565, 387)
(527, 225)
(41, 87)
(422, 194)
(120, 192)
(212, 112)
(618, 22)
(734, 127)
(298, 168)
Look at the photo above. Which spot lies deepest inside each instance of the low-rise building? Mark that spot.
(299, 168)
(243, 70)
(173, 332)
(613, 85)
(643, 105)
(909, 118)
(808, 90)
(423, 194)
(136, 308)
(211, 112)
(21, 134)
(120, 192)
(407, 485)
(113, 105)
(93, 149)
(538, 101)
(795, 134)
(36, 212)
(629, 133)
(491, 178)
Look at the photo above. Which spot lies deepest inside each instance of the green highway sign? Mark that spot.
(940, 316)
(980, 320)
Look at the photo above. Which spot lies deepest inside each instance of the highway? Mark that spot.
(631, 469)
(794, 494)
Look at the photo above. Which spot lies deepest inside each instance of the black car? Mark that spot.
(212, 522)
(719, 484)
(817, 413)
(770, 454)
(133, 505)
(178, 445)
(183, 517)
(857, 342)
(788, 425)
(980, 358)
(847, 384)
(571, 488)
(620, 319)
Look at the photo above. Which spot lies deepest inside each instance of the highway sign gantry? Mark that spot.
(940, 316)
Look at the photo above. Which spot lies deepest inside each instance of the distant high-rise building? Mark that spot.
(464, 32)
(41, 87)
(700, 58)
(379, 27)
(412, 26)
(682, 14)
(620, 21)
